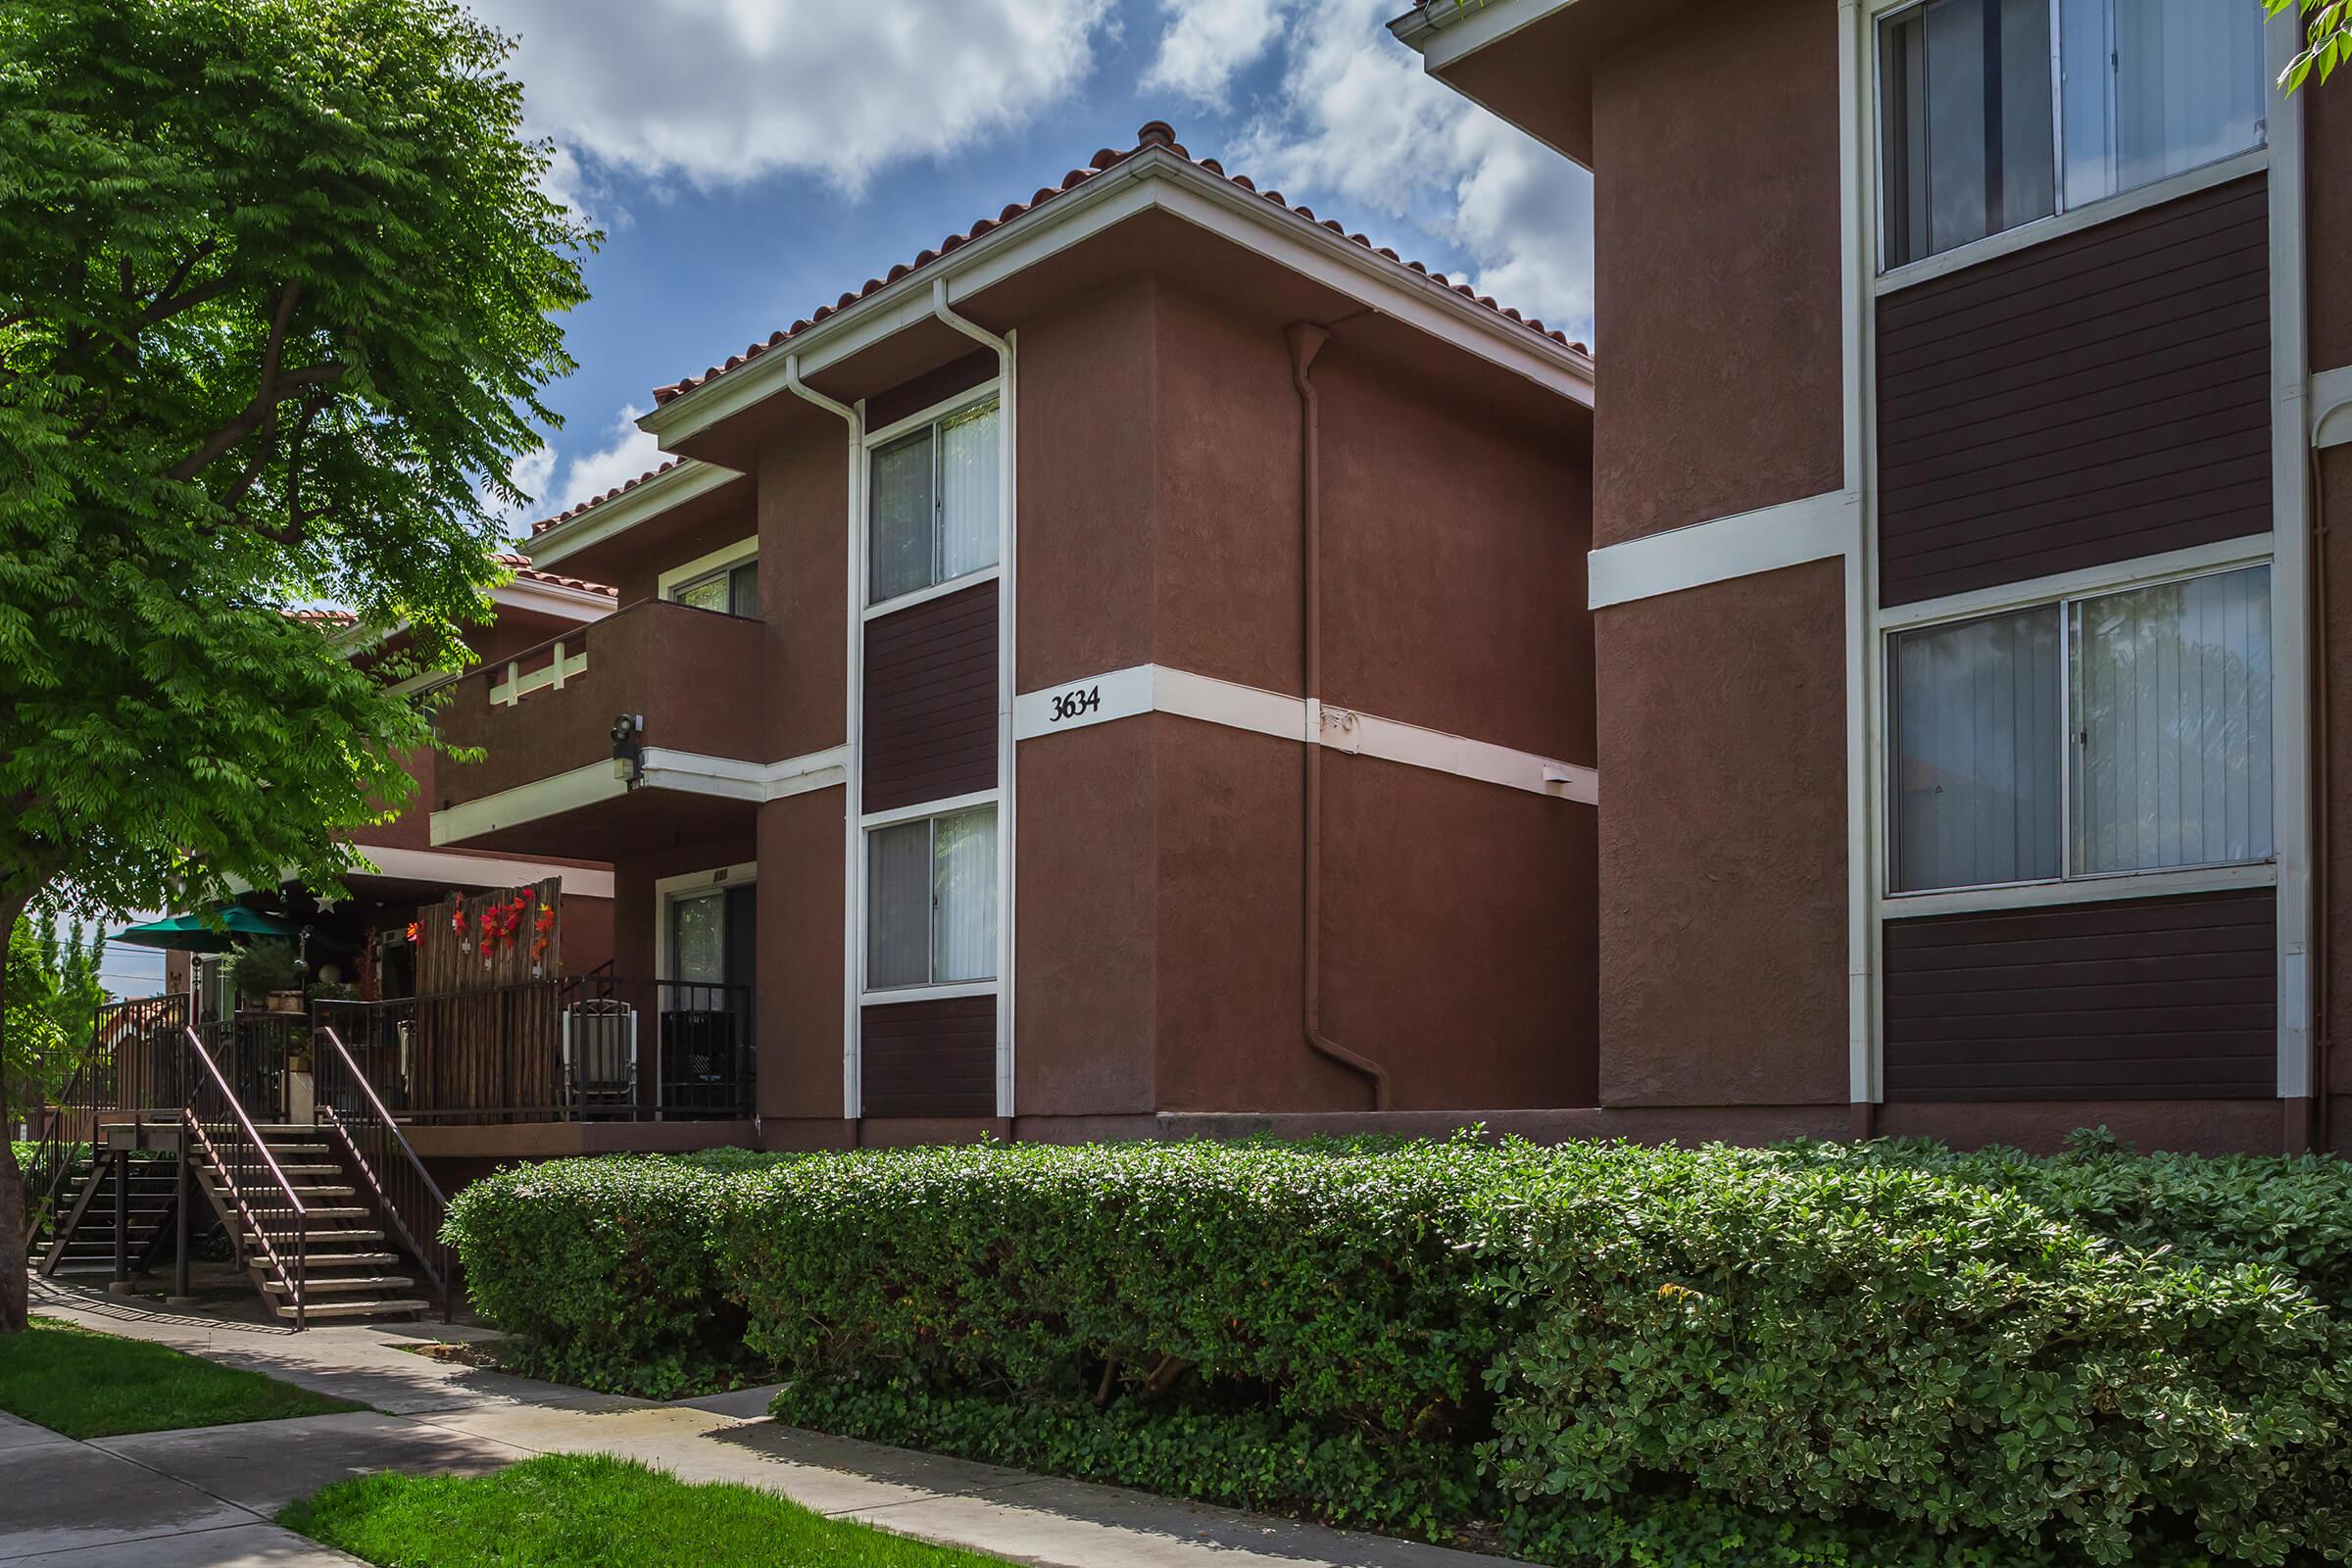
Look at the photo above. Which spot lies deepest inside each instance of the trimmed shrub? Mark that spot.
(2293, 1214)
(1813, 1338)
(604, 1271)
(1590, 1354)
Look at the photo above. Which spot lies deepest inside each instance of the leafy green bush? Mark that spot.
(603, 1270)
(1607, 1354)
(2294, 1213)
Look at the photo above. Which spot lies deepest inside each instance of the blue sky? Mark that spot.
(752, 159)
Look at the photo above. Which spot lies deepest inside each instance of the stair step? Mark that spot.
(349, 1282)
(306, 1194)
(318, 1237)
(402, 1306)
(320, 1260)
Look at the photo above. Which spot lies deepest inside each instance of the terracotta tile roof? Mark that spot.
(565, 515)
(523, 569)
(323, 617)
(1155, 134)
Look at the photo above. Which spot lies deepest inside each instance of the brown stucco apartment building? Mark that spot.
(1128, 665)
(1966, 630)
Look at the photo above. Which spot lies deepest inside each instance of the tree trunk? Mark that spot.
(13, 1302)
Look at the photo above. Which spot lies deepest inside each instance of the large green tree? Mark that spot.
(53, 989)
(276, 287)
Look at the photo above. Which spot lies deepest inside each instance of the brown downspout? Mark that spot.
(1305, 340)
(2322, 1131)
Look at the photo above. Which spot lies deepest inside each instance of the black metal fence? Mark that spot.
(585, 1048)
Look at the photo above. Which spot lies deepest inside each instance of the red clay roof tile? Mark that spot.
(523, 567)
(1155, 133)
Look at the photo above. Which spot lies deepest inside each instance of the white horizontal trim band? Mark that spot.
(663, 768)
(1156, 689)
(466, 869)
(1816, 528)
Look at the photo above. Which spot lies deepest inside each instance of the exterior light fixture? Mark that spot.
(628, 755)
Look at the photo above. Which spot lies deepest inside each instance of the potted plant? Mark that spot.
(264, 972)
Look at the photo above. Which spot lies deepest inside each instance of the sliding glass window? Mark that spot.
(935, 504)
(2124, 732)
(1995, 113)
(931, 901)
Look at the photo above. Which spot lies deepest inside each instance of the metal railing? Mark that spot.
(258, 1053)
(130, 1063)
(584, 1048)
(399, 1186)
(249, 1175)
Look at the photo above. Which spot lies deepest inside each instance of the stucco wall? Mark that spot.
(1716, 278)
(1453, 561)
(1087, 405)
(1723, 943)
(804, 593)
(1086, 976)
(799, 973)
(2328, 143)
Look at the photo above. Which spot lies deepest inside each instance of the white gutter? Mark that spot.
(852, 938)
(1009, 558)
(646, 498)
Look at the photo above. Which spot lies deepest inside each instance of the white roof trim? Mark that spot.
(1444, 30)
(648, 498)
(1147, 181)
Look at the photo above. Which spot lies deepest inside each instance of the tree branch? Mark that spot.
(274, 389)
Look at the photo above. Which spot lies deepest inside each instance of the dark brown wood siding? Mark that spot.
(2096, 398)
(931, 700)
(2138, 999)
(929, 1058)
(931, 386)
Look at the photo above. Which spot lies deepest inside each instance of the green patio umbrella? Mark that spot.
(189, 933)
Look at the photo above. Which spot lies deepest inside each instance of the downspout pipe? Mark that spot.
(2323, 1088)
(1305, 340)
(851, 944)
(1009, 625)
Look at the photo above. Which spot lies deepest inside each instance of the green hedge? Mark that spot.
(603, 1270)
(1597, 1352)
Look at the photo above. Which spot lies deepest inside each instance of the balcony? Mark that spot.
(547, 781)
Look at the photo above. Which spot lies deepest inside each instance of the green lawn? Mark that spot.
(567, 1510)
(88, 1385)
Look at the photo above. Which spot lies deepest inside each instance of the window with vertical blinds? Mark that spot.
(1995, 113)
(931, 901)
(934, 512)
(2114, 733)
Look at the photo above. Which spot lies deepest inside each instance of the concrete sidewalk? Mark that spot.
(202, 1499)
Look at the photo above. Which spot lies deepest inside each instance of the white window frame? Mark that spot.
(2062, 591)
(941, 412)
(928, 812)
(2062, 220)
(702, 567)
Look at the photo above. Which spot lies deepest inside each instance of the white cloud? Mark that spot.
(1207, 41)
(630, 453)
(1356, 117)
(722, 91)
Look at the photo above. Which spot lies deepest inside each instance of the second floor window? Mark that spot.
(934, 506)
(1995, 112)
(2124, 732)
(731, 590)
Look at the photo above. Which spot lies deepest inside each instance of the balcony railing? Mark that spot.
(585, 1048)
(550, 709)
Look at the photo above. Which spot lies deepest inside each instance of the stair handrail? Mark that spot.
(436, 1263)
(297, 1279)
(52, 1159)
